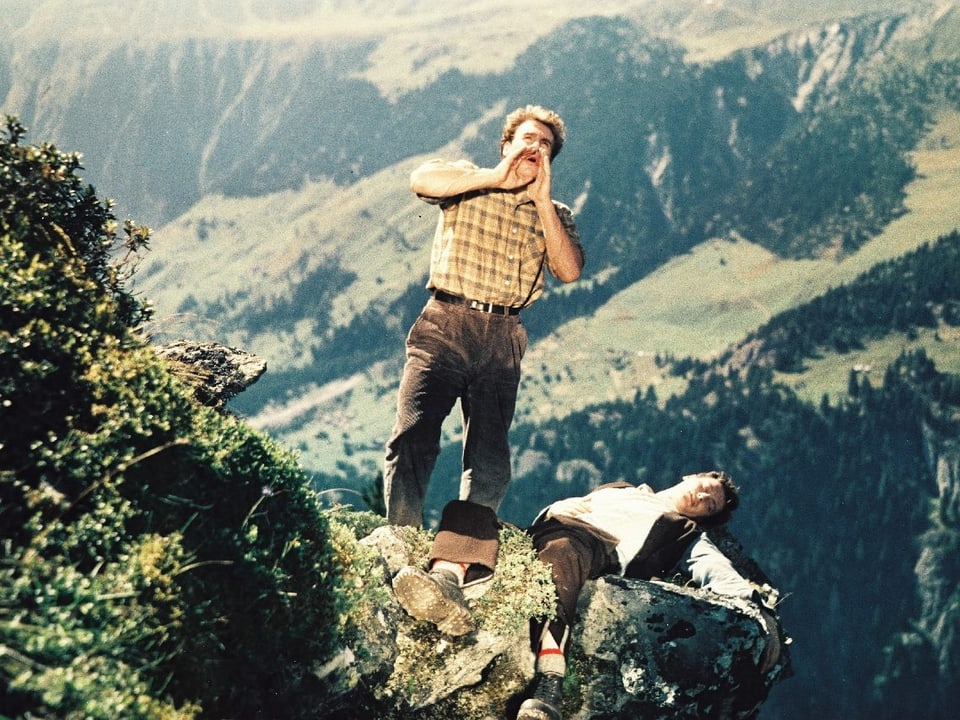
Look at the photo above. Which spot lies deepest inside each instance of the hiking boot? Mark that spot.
(435, 597)
(545, 703)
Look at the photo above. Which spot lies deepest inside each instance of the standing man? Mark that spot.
(499, 228)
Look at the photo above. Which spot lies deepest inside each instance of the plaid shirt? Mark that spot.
(490, 247)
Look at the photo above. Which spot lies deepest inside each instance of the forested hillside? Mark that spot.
(902, 296)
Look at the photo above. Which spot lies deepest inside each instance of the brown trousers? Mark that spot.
(575, 554)
(454, 353)
(470, 534)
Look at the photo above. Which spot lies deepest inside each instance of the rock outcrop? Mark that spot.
(642, 649)
(216, 372)
(921, 662)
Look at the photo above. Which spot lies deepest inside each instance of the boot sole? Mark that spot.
(536, 710)
(424, 599)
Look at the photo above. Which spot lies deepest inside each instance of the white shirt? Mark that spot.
(626, 513)
(629, 513)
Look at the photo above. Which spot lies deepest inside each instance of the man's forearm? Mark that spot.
(565, 256)
(438, 179)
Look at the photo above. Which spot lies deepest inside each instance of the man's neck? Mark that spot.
(669, 495)
(521, 195)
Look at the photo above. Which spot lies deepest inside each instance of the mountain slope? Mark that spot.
(296, 283)
(244, 99)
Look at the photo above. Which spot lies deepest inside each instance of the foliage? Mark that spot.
(41, 193)
(364, 585)
(158, 559)
(522, 587)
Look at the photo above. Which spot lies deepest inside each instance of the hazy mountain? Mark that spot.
(171, 102)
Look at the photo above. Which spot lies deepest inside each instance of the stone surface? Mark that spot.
(216, 372)
(657, 650)
(642, 649)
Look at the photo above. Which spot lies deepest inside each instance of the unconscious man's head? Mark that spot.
(707, 497)
(540, 114)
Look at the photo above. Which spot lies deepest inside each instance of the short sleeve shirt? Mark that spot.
(489, 246)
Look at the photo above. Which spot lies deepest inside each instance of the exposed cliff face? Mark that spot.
(930, 652)
(649, 649)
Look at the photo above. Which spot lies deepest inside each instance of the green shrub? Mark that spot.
(158, 559)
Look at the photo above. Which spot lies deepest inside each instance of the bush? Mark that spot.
(158, 559)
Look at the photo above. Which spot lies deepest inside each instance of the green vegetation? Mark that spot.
(906, 295)
(158, 559)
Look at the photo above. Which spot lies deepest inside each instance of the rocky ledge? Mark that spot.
(216, 372)
(642, 649)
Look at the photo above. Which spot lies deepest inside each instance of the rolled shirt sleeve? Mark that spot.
(712, 570)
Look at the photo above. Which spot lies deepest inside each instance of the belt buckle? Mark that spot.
(481, 306)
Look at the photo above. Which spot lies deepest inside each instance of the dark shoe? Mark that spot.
(546, 700)
(435, 597)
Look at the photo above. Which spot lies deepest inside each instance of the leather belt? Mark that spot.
(475, 304)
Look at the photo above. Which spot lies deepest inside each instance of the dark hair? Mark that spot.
(540, 114)
(731, 501)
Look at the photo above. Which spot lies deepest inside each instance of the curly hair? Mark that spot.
(540, 114)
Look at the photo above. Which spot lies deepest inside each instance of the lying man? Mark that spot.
(639, 533)
(617, 528)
